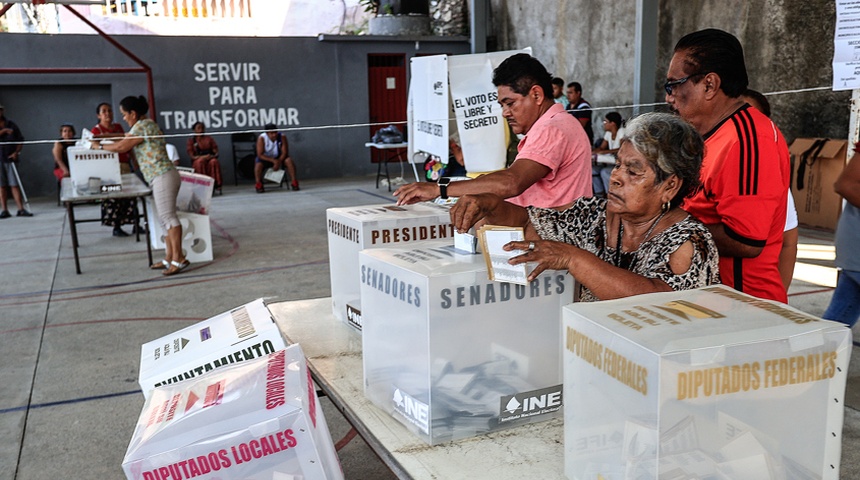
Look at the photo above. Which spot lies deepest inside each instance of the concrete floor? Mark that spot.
(70, 343)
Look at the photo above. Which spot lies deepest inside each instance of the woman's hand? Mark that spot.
(549, 255)
(470, 209)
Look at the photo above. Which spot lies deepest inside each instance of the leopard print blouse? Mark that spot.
(584, 225)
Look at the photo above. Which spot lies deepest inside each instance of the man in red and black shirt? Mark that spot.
(745, 172)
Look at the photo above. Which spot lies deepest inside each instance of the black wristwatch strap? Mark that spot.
(443, 187)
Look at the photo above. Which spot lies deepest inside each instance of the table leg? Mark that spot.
(378, 168)
(73, 229)
(387, 176)
(148, 230)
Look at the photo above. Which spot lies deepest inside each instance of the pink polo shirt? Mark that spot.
(558, 141)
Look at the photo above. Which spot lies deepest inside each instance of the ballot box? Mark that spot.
(100, 166)
(353, 229)
(234, 336)
(702, 384)
(451, 354)
(195, 193)
(256, 420)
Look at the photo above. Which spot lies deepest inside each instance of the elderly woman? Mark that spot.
(637, 240)
(146, 140)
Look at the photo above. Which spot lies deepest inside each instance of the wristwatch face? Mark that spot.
(444, 181)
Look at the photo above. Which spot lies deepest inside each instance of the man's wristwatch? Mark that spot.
(443, 187)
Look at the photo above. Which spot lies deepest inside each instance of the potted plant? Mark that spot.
(398, 17)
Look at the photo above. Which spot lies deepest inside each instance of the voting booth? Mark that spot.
(99, 165)
(706, 383)
(241, 334)
(352, 229)
(451, 354)
(255, 420)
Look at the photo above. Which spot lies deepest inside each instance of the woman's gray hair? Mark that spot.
(671, 145)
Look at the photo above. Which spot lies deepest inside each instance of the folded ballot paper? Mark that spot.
(254, 420)
(492, 238)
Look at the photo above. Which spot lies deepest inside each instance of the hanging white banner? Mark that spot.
(480, 123)
(429, 86)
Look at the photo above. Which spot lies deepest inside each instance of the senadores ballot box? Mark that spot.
(451, 354)
(702, 384)
(353, 229)
(257, 420)
(238, 335)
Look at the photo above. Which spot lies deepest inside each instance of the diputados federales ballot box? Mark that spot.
(703, 384)
(241, 334)
(451, 354)
(353, 229)
(257, 420)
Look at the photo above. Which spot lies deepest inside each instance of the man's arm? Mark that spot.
(284, 149)
(848, 183)
(729, 244)
(505, 183)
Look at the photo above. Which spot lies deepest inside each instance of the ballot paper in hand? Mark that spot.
(493, 238)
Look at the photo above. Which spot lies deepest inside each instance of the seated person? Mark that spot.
(203, 152)
(638, 239)
(61, 156)
(600, 172)
(172, 154)
(456, 166)
(272, 148)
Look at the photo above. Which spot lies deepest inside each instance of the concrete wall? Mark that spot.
(788, 45)
(306, 83)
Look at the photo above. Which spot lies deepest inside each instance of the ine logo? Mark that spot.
(415, 412)
(529, 404)
(437, 88)
(353, 316)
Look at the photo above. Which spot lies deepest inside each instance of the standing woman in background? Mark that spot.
(116, 212)
(146, 140)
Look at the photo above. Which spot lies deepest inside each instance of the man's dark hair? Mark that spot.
(615, 118)
(270, 127)
(716, 51)
(760, 101)
(558, 81)
(520, 72)
(575, 86)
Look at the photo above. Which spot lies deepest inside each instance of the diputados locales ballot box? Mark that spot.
(241, 334)
(452, 354)
(256, 420)
(353, 229)
(705, 383)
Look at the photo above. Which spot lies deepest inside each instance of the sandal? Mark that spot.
(162, 265)
(176, 267)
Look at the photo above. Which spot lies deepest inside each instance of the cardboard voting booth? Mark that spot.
(235, 336)
(196, 233)
(707, 384)
(817, 164)
(451, 354)
(100, 165)
(352, 229)
(257, 420)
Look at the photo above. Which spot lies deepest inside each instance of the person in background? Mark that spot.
(203, 151)
(114, 212)
(553, 164)
(272, 147)
(638, 239)
(580, 109)
(10, 154)
(601, 171)
(558, 92)
(61, 157)
(845, 304)
(146, 140)
(788, 253)
(745, 172)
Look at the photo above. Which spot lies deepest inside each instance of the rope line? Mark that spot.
(365, 125)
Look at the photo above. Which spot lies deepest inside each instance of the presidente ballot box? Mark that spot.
(86, 163)
(702, 384)
(241, 334)
(451, 354)
(257, 420)
(353, 229)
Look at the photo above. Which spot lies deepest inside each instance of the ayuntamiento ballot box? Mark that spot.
(353, 229)
(256, 420)
(451, 354)
(706, 383)
(243, 333)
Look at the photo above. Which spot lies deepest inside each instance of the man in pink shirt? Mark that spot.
(553, 164)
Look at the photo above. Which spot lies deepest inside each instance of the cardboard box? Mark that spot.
(818, 205)
(196, 233)
(707, 383)
(353, 229)
(85, 163)
(195, 193)
(241, 334)
(451, 354)
(257, 420)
